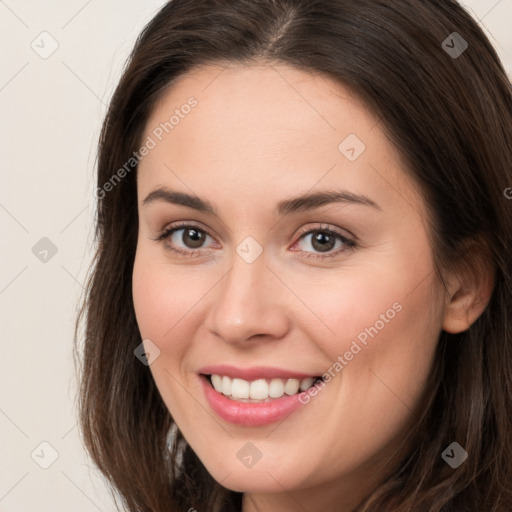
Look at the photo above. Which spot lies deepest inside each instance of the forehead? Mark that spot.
(260, 125)
(278, 103)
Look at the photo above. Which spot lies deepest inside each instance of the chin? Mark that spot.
(267, 475)
(254, 480)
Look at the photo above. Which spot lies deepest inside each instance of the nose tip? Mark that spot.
(249, 303)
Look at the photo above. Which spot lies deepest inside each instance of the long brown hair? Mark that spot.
(450, 117)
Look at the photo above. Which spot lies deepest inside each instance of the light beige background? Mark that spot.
(51, 111)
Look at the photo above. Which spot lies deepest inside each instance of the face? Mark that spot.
(256, 289)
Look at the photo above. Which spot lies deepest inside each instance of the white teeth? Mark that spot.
(260, 389)
(226, 386)
(276, 388)
(240, 388)
(217, 383)
(292, 386)
(305, 384)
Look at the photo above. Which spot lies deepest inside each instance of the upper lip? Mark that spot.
(254, 372)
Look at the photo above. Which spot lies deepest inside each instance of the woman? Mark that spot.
(301, 291)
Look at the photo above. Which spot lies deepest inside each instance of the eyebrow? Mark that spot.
(293, 205)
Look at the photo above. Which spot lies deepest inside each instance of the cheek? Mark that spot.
(357, 314)
(149, 299)
(384, 308)
(380, 357)
(379, 330)
(159, 302)
(168, 302)
(163, 303)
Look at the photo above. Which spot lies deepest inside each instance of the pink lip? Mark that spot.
(249, 414)
(253, 373)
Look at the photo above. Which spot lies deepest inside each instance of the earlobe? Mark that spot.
(461, 313)
(469, 295)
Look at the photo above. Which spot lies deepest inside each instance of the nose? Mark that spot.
(250, 303)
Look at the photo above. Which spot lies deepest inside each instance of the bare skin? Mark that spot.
(259, 135)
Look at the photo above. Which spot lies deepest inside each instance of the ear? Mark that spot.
(469, 289)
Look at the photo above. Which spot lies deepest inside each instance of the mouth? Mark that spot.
(259, 401)
(259, 390)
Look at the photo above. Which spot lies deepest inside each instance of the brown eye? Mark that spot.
(184, 239)
(324, 243)
(192, 237)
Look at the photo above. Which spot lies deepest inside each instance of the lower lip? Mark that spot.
(250, 414)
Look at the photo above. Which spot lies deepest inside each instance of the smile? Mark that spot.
(254, 397)
(260, 390)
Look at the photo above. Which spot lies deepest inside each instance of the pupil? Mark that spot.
(317, 239)
(196, 237)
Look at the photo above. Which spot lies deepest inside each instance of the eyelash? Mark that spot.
(350, 244)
